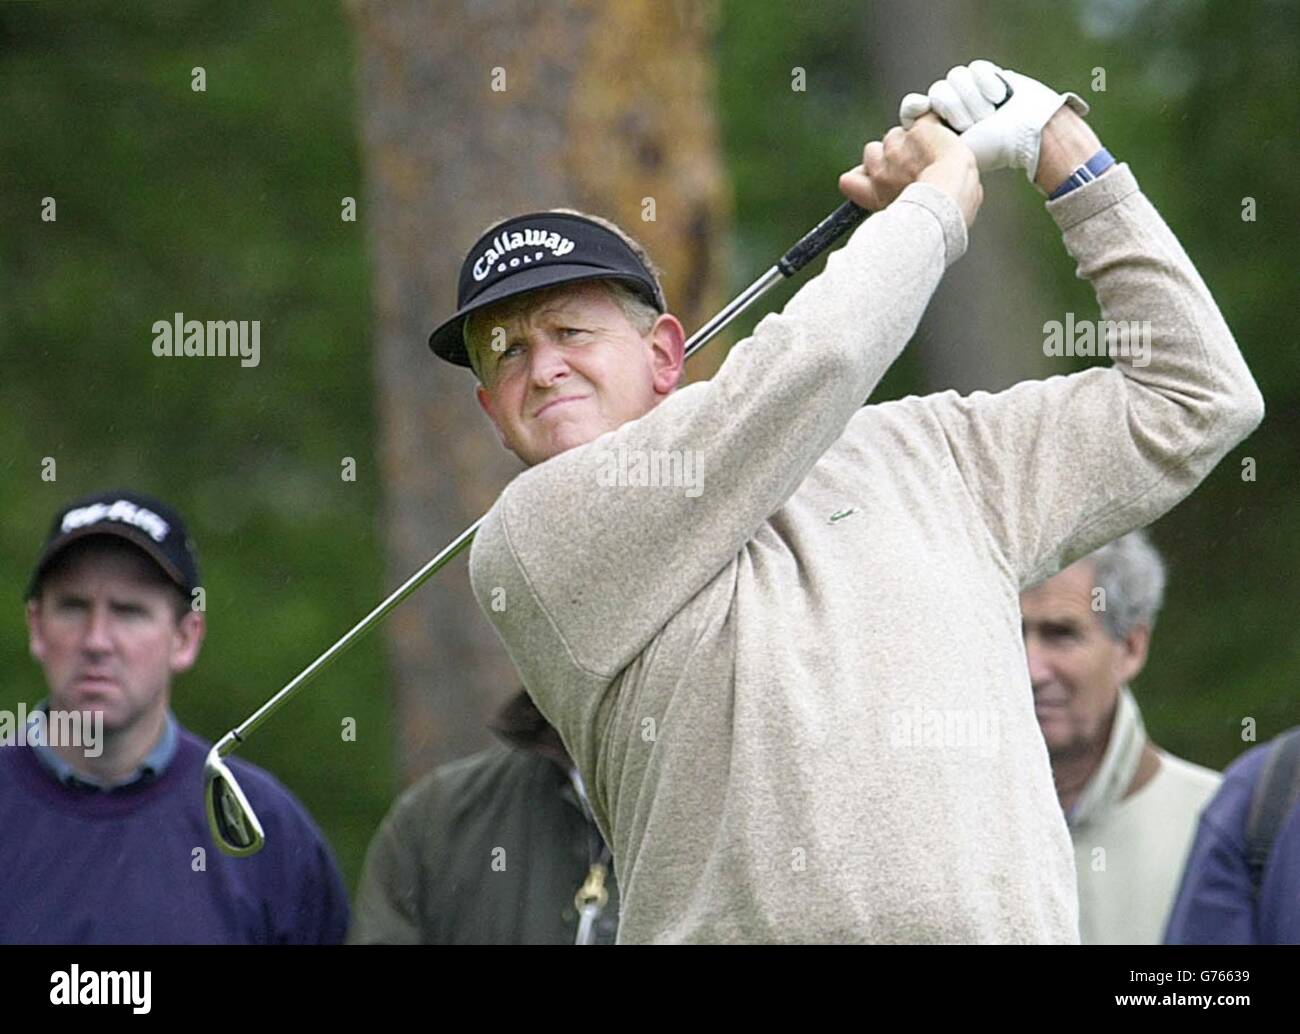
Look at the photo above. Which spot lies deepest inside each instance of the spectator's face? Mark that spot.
(566, 366)
(106, 633)
(1076, 667)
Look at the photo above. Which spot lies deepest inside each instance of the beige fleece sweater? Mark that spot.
(798, 693)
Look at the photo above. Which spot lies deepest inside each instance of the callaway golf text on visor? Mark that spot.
(540, 249)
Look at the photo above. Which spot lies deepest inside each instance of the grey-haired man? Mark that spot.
(1131, 807)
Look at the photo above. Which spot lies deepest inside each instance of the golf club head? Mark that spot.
(231, 818)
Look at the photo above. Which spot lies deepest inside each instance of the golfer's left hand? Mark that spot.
(1009, 137)
(929, 152)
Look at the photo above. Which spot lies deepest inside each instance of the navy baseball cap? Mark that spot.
(528, 252)
(151, 525)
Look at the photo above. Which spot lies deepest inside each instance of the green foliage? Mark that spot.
(223, 204)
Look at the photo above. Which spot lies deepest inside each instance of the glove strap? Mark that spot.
(1086, 173)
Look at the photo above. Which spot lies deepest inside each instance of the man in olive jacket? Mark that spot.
(489, 849)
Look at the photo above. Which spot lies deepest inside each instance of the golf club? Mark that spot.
(234, 824)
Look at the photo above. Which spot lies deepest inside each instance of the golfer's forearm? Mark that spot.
(1060, 466)
(1194, 397)
(605, 558)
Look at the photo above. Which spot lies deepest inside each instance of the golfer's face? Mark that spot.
(1076, 667)
(562, 371)
(108, 638)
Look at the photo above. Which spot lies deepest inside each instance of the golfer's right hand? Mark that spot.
(927, 153)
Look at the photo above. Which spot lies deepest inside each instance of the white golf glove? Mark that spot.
(1008, 137)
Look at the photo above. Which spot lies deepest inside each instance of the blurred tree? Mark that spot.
(471, 112)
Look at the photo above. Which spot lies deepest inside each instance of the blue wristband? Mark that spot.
(1096, 165)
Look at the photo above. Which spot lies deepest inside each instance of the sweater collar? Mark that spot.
(151, 766)
(1118, 765)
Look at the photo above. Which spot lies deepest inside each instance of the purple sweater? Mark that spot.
(124, 867)
(1215, 904)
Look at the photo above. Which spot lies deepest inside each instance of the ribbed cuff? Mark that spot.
(944, 209)
(1086, 201)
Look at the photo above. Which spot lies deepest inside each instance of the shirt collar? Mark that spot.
(1119, 763)
(153, 765)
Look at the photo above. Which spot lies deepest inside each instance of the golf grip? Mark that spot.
(821, 237)
(835, 225)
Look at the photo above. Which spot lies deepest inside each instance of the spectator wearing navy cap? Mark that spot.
(106, 786)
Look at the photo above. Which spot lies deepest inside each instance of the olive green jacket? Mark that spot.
(489, 849)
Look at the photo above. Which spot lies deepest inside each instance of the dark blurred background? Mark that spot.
(228, 203)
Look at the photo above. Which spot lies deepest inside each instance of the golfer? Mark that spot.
(769, 684)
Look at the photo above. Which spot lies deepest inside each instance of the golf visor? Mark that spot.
(533, 251)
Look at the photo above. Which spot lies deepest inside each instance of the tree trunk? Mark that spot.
(607, 108)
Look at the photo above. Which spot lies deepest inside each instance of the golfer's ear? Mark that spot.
(668, 352)
(485, 402)
(190, 630)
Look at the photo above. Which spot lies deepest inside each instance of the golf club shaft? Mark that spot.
(808, 247)
(242, 731)
(812, 244)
